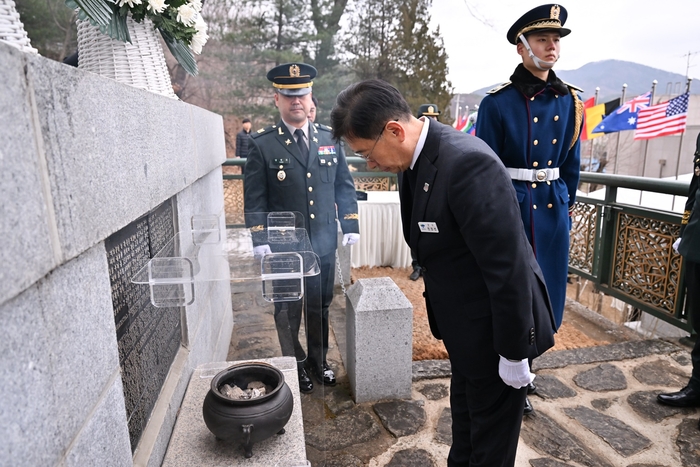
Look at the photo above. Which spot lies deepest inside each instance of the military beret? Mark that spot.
(292, 79)
(549, 17)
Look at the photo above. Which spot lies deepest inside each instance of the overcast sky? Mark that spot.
(650, 32)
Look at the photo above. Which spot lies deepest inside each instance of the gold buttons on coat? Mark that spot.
(535, 119)
(534, 206)
(308, 174)
(534, 185)
(532, 98)
(535, 142)
(556, 96)
(548, 182)
(556, 118)
(311, 203)
(535, 164)
(549, 162)
(549, 206)
(311, 188)
(312, 216)
(554, 141)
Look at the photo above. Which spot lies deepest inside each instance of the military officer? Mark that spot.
(297, 166)
(430, 111)
(688, 245)
(533, 122)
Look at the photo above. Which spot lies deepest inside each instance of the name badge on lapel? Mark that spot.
(428, 227)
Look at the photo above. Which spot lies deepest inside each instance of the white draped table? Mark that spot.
(381, 233)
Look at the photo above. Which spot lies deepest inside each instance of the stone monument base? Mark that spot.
(192, 444)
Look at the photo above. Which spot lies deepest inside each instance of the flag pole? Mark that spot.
(680, 146)
(617, 144)
(646, 143)
(590, 152)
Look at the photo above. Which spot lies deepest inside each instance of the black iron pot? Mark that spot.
(253, 420)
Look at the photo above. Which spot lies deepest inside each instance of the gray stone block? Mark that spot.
(379, 340)
(58, 353)
(27, 243)
(104, 175)
(192, 444)
(104, 440)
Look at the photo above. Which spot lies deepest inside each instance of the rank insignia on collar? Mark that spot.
(279, 131)
(314, 139)
(288, 142)
(426, 187)
(261, 130)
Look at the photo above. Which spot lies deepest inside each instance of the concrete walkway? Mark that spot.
(594, 407)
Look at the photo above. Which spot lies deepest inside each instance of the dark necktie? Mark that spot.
(303, 148)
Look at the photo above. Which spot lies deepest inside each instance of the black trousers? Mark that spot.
(692, 297)
(318, 296)
(486, 418)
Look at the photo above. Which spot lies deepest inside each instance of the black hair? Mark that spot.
(363, 109)
(314, 100)
(246, 120)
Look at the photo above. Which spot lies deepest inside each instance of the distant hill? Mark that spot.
(609, 75)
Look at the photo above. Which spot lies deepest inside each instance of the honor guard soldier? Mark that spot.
(688, 245)
(430, 111)
(533, 122)
(297, 166)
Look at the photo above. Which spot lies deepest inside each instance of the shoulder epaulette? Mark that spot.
(573, 87)
(262, 131)
(323, 127)
(499, 88)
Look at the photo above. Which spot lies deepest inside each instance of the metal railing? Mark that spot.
(626, 249)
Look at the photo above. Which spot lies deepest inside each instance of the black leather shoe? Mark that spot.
(531, 388)
(415, 274)
(528, 409)
(686, 397)
(324, 376)
(305, 384)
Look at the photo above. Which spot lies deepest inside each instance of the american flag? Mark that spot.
(663, 119)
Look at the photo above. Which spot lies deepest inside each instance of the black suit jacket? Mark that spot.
(485, 293)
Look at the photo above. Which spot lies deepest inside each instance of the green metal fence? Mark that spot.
(626, 250)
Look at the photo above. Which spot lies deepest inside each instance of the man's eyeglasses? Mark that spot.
(369, 154)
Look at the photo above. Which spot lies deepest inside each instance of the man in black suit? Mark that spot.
(688, 245)
(485, 295)
(297, 166)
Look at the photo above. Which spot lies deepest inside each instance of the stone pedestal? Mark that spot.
(192, 444)
(379, 347)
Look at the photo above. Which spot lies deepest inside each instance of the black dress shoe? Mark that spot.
(528, 409)
(531, 388)
(686, 397)
(324, 375)
(305, 384)
(415, 274)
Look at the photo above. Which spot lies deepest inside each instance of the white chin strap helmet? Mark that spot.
(541, 64)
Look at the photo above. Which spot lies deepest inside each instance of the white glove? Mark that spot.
(515, 374)
(350, 238)
(675, 244)
(261, 250)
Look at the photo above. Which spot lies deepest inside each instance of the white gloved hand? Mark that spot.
(675, 244)
(261, 250)
(516, 374)
(350, 238)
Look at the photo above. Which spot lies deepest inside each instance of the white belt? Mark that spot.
(534, 175)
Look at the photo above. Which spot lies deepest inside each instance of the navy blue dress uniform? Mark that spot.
(317, 184)
(689, 248)
(534, 127)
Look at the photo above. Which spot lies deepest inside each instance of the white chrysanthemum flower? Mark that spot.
(200, 38)
(196, 4)
(131, 3)
(186, 14)
(156, 6)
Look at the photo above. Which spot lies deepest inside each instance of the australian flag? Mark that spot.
(625, 117)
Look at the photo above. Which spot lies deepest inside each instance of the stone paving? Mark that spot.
(594, 407)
